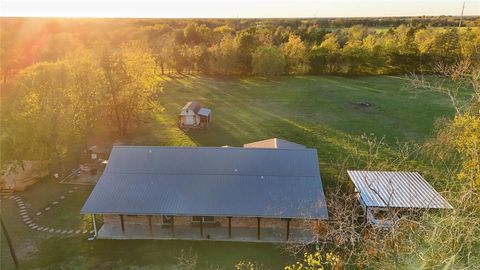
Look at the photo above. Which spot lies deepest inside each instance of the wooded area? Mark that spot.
(238, 47)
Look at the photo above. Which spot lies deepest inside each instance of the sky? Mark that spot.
(234, 8)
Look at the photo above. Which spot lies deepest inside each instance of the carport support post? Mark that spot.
(150, 229)
(94, 226)
(229, 227)
(201, 227)
(288, 228)
(121, 223)
(173, 226)
(258, 228)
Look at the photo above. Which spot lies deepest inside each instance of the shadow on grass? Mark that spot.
(76, 253)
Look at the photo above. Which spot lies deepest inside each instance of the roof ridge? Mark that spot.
(216, 147)
(224, 174)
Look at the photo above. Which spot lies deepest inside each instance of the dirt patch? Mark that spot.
(361, 105)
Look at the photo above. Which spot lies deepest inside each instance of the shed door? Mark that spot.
(189, 120)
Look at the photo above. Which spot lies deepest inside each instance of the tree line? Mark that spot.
(256, 47)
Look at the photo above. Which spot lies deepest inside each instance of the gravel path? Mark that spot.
(28, 220)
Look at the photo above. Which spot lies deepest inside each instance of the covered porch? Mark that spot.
(219, 233)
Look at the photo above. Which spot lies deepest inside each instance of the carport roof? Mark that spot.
(396, 190)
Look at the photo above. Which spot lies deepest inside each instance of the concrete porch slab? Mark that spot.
(239, 234)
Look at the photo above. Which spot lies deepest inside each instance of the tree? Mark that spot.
(326, 57)
(191, 33)
(36, 117)
(402, 54)
(224, 57)
(200, 57)
(133, 79)
(470, 44)
(54, 106)
(464, 131)
(85, 92)
(247, 44)
(446, 46)
(315, 261)
(296, 56)
(467, 141)
(354, 57)
(268, 61)
(374, 54)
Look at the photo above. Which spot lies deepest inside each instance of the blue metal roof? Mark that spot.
(210, 181)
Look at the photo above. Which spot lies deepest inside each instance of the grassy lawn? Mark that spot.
(298, 109)
(320, 112)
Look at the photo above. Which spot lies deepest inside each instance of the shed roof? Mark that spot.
(210, 181)
(396, 189)
(274, 143)
(204, 112)
(192, 105)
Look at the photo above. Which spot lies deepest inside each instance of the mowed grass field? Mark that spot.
(326, 113)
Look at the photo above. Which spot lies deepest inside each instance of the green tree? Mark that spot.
(354, 58)
(133, 79)
(85, 92)
(446, 46)
(224, 57)
(247, 44)
(268, 61)
(296, 56)
(470, 44)
(325, 58)
(36, 116)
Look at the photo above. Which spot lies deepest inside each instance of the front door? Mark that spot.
(189, 120)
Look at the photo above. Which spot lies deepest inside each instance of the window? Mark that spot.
(167, 220)
(197, 219)
(208, 219)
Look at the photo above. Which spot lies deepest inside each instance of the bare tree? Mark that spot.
(452, 80)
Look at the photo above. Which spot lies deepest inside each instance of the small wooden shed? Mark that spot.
(193, 115)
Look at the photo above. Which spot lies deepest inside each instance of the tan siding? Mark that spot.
(219, 221)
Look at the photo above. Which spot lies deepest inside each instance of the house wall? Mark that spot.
(183, 120)
(275, 223)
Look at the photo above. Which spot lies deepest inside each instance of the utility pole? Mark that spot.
(461, 16)
(9, 243)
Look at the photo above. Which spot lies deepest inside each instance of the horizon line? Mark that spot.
(236, 18)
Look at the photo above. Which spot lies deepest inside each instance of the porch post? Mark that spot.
(288, 229)
(94, 225)
(173, 226)
(150, 225)
(258, 228)
(201, 227)
(229, 227)
(121, 222)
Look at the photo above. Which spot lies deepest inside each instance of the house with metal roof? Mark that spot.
(384, 195)
(193, 115)
(220, 193)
